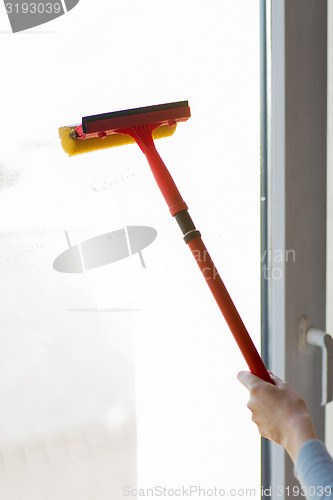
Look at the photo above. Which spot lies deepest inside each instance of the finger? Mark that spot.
(249, 380)
(274, 376)
(277, 381)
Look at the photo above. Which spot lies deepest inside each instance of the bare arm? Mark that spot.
(279, 412)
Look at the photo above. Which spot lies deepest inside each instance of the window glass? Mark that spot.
(124, 374)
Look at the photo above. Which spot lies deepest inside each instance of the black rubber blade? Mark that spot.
(132, 112)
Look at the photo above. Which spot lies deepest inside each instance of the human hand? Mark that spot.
(279, 411)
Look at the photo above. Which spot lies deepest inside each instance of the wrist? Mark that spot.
(299, 430)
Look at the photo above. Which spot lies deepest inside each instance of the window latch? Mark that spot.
(325, 342)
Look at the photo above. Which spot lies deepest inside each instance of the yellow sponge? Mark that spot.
(75, 146)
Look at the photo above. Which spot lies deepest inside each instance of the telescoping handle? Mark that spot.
(192, 238)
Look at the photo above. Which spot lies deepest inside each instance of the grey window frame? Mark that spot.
(293, 210)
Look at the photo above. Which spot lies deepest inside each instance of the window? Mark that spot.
(134, 364)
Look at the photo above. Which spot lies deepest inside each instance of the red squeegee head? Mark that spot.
(139, 124)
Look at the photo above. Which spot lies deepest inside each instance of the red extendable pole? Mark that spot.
(228, 309)
(192, 237)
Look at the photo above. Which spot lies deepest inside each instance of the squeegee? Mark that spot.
(143, 125)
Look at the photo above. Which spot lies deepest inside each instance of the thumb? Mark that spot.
(248, 379)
